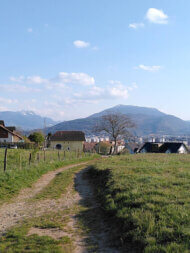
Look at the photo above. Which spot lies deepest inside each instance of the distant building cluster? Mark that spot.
(97, 139)
(160, 139)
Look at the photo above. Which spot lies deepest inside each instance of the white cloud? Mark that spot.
(133, 87)
(156, 16)
(76, 78)
(81, 44)
(149, 68)
(115, 82)
(8, 100)
(115, 90)
(36, 80)
(29, 30)
(18, 88)
(29, 79)
(119, 91)
(136, 25)
(95, 48)
(60, 81)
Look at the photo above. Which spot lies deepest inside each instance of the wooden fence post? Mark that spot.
(20, 161)
(5, 160)
(38, 157)
(30, 158)
(44, 155)
(78, 153)
(58, 156)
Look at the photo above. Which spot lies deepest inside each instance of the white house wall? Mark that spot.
(9, 139)
(182, 150)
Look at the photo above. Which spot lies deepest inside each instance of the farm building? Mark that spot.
(68, 140)
(8, 134)
(167, 147)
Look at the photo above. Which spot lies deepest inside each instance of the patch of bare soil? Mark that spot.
(55, 233)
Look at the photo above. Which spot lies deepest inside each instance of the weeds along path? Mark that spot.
(21, 208)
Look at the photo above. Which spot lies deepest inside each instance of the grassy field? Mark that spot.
(146, 199)
(20, 174)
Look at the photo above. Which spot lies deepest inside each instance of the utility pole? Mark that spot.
(44, 131)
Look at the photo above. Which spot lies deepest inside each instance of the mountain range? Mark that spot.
(26, 120)
(147, 121)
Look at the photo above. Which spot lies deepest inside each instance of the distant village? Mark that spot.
(76, 140)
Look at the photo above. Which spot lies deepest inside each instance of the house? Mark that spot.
(167, 147)
(68, 140)
(174, 147)
(150, 147)
(9, 134)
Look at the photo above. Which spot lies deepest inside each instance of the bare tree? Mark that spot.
(116, 125)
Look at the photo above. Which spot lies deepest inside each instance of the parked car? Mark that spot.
(13, 146)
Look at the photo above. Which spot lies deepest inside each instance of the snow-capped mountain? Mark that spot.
(26, 120)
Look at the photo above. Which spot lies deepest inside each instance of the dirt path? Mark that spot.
(92, 236)
(20, 208)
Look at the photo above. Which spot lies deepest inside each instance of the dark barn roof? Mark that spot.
(151, 147)
(172, 146)
(68, 136)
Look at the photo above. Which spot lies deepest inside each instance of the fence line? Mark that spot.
(19, 159)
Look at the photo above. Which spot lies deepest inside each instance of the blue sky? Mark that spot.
(69, 59)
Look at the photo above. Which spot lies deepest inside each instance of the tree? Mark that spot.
(116, 125)
(26, 139)
(36, 137)
(103, 148)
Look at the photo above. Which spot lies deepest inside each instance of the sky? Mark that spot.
(67, 59)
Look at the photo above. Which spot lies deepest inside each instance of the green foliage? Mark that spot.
(147, 198)
(36, 137)
(103, 148)
(17, 241)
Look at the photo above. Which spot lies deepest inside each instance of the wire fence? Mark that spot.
(20, 159)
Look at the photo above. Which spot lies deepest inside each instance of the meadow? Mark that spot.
(24, 167)
(146, 200)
